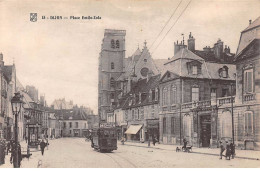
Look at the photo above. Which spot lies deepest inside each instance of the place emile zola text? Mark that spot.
(71, 17)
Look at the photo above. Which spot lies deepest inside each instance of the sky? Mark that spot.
(60, 57)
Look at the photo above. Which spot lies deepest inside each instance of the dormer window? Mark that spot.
(112, 44)
(195, 70)
(223, 72)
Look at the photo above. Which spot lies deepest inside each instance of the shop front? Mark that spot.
(152, 129)
(135, 133)
(34, 133)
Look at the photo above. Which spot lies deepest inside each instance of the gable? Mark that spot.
(169, 76)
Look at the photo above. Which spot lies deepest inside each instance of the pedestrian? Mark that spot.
(185, 142)
(19, 154)
(222, 149)
(232, 150)
(47, 143)
(228, 151)
(154, 140)
(42, 146)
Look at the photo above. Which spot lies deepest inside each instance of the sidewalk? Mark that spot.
(34, 161)
(241, 154)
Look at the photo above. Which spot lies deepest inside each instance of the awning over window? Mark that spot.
(133, 129)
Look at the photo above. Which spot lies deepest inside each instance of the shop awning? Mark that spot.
(133, 129)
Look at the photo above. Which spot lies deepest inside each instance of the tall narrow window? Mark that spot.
(112, 44)
(76, 125)
(194, 70)
(126, 115)
(225, 92)
(133, 114)
(112, 65)
(173, 94)
(213, 93)
(164, 125)
(156, 94)
(173, 120)
(117, 44)
(165, 96)
(249, 123)
(153, 95)
(195, 94)
(226, 124)
(112, 82)
(248, 81)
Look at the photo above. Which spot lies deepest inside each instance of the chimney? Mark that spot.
(1, 60)
(250, 21)
(178, 47)
(191, 43)
(227, 49)
(218, 49)
(207, 49)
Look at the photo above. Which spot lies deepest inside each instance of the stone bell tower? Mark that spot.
(111, 66)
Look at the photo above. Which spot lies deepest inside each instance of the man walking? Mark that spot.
(222, 149)
(42, 146)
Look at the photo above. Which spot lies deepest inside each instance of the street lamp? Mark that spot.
(16, 109)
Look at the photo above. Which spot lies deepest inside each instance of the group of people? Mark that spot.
(230, 150)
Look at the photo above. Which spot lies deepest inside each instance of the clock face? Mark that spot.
(144, 72)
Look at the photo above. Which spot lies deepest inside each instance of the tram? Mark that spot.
(104, 139)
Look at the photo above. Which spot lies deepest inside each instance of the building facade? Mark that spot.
(194, 84)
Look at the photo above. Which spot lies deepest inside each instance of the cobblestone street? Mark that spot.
(75, 152)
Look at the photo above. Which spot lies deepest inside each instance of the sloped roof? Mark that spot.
(255, 23)
(160, 64)
(250, 50)
(26, 99)
(73, 114)
(184, 53)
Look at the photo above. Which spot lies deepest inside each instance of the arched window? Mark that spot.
(173, 94)
(112, 65)
(112, 82)
(117, 44)
(226, 124)
(112, 44)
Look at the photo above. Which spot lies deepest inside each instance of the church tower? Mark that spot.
(111, 66)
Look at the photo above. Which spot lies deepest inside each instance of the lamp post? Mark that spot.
(232, 113)
(16, 109)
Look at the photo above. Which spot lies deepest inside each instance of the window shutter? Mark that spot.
(249, 77)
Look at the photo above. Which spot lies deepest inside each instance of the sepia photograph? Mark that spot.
(129, 84)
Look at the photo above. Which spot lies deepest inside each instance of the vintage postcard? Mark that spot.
(129, 84)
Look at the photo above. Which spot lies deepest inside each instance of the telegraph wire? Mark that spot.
(166, 24)
(172, 26)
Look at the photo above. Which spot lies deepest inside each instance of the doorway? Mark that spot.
(205, 130)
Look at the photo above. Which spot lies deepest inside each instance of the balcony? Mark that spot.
(249, 97)
(225, 100)
(186, 105)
